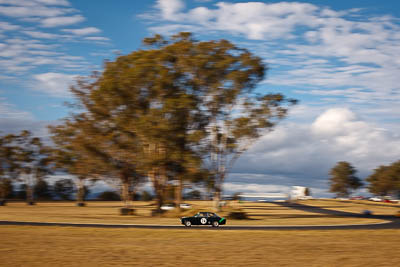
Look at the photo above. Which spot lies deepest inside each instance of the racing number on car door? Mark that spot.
(203, 220)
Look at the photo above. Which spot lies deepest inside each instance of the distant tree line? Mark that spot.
(65, 189)
(384, 181)
(62, 189)
(26, 164)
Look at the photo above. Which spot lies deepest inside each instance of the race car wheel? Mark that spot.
(188, 223)
(215, 224)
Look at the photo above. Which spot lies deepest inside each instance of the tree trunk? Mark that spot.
(159, 198)
(81, 192)
(133, 192)
(29, 194)
(157, 189)
(2, 192)
(2, 195)
(217, 199)
(29, 188)
(218, 188)
(157, 175)
(125, 194)
(178, 194)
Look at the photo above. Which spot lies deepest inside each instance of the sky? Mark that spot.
(338, 58)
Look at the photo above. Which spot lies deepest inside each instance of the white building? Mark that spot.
(300, 192)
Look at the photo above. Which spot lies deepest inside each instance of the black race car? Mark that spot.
(203, 218)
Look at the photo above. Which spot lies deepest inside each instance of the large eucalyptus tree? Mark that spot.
(174, 103)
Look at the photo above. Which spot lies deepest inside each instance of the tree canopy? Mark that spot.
(343, 179)
(24, 158)
(165, 110)
(385, 180)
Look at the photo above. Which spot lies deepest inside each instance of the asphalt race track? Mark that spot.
(392, 222)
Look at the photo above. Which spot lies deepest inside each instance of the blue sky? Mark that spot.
(339, 58)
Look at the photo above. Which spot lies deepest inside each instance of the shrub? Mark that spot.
(42, 190)
(194, 194)
(146, 196)
(64, 188)
(109, 196)
(127, 211)
(237, 215)
(6, 188)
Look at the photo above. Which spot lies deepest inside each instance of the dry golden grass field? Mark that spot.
(108, 213)
(70, 246)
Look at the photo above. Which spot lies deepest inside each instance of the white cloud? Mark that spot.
(335, 121)
(35, 2)
(97, 38)
(26, 47)
(61, 21)
(54, 2)
(255, 20)
(170, 8)
(33, 11)
(55, 84)
(27, 11)
(83, 31)
(267, 184)
(321, 50)
(305, 152)
(20, 55)
(8, 111)
(14, 120)
(254, 188)
(17, 47)
(5, 26)
(357, 138)
(41, 35)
